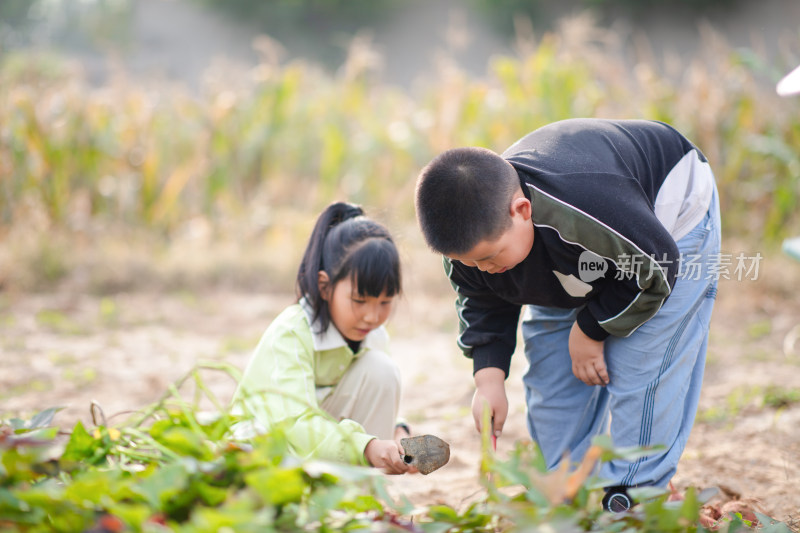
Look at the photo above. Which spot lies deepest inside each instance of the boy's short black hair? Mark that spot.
(463, 197)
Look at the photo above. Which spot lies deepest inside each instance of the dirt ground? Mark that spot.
(69, 348)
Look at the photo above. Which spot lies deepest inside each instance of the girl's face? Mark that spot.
(354, 315)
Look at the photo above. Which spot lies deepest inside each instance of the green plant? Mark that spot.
(779, 397)
(175, 466)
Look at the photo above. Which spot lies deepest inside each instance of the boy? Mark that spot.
(607, 232)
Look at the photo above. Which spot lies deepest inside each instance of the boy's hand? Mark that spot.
(490, 392)
(588, 360)
(388, 456)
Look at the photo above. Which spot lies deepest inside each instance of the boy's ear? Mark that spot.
(323, 284)
(521, 206)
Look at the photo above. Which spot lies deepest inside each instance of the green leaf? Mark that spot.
(90, 486)
(691, 506)
(81, 444)
(41, 419)
(158, 427)
(325, 499)
(185, 441)
(443, 513)
(211, 495)
(43, 434)
(435, 527)
(630, 453)
(277, 486)
(44, 418)
(13, 508)
(737, 523)
(17, 424)
(338, 471)
(133, 514)
(770, 525)
(29, 459)
(404, 506)
(42, 494)
(360, 503)
(230, 519)
(512, 473)
(646, 493)
(162, 484)
(270, 449)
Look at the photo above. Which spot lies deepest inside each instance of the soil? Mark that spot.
(69, 348)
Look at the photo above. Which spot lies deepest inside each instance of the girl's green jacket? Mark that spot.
(290, 373)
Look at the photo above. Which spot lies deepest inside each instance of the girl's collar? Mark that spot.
(331, 339)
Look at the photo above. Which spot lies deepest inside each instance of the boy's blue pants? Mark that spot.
(655, 374)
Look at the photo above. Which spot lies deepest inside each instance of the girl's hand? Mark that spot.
(588, 359)
(490, 393)
(388, 456)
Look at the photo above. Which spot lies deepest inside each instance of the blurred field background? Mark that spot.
(113, 175)
(162, 163)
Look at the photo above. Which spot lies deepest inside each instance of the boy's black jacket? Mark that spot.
(593, 186)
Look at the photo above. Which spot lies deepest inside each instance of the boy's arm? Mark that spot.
(487, 323)
(487, 334)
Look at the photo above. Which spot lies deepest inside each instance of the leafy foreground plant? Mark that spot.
(180, 471)
(567, 501)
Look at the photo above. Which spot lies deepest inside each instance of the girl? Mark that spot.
(329, 349)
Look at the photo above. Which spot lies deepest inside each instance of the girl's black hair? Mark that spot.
(345, 243)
